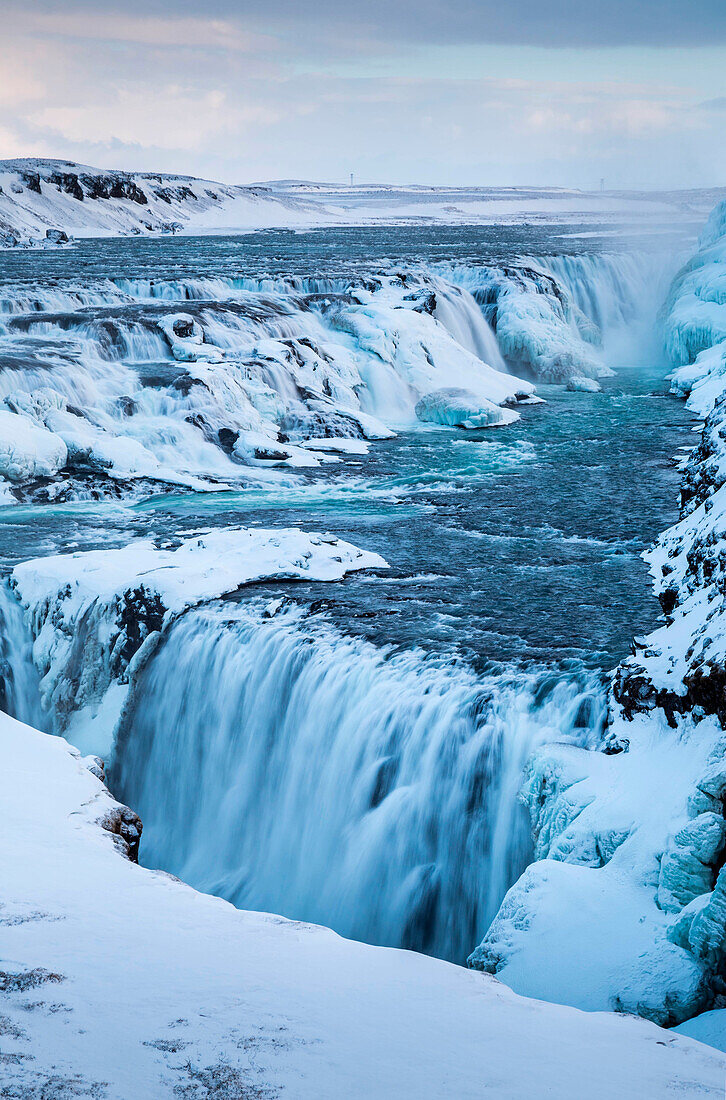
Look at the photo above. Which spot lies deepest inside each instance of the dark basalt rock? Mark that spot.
(141, 613)
(127, 189)
(56, 236)
(227, 439)
(68, 182)
(32, 182)
(183, 329)
(180, 194)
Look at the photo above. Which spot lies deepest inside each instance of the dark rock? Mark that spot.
(56, 236)
(32, 182)
(68, 182)
(126, 828)
(183, 329)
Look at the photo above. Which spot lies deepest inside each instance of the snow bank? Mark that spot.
(582, 926)
(709, 1028)
(96, 616)
(124, 982)
(39, 198)
(28, 451)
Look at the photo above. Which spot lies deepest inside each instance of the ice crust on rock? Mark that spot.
(458, 408)
(27, 450)
(583, 385)
(539, 328)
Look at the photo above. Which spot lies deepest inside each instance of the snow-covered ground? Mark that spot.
(626, 905)
(39, 195)
(124, 984)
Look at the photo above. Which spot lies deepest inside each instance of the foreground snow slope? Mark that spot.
(125, 984)
(630, 884)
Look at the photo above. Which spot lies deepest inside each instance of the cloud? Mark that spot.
(171, 32)
(251, 89)
(347, 24)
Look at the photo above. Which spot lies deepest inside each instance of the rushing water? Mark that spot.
(352, 755)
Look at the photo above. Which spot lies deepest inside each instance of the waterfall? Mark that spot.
(621, 293)
(290, 768)
(458, 312)
(19, 681)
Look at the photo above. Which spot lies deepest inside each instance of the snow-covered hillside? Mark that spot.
(122, 983)
(41, 195)
(626, 906)
(38, 196)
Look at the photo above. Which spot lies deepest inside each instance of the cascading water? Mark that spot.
(274, 760)
(19, 681)
(621, 293)
(292, 769)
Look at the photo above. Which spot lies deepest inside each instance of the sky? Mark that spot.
(486, 92)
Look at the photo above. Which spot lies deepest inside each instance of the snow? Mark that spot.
(709, 1028)
(125, 980)
(40, 195)
(118, 602)
(600, 824)
(626, 904)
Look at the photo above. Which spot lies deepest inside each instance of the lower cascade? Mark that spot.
(289, 768)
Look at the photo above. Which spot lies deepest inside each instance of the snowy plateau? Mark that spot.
(526, 865)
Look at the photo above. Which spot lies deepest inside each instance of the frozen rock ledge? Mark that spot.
(125, 984)
(114, 605)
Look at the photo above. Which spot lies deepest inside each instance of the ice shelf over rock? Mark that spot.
(113, 605)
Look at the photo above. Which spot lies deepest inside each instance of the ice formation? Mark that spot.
(96, 616)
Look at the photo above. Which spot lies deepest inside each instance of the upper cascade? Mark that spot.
(205, 383)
